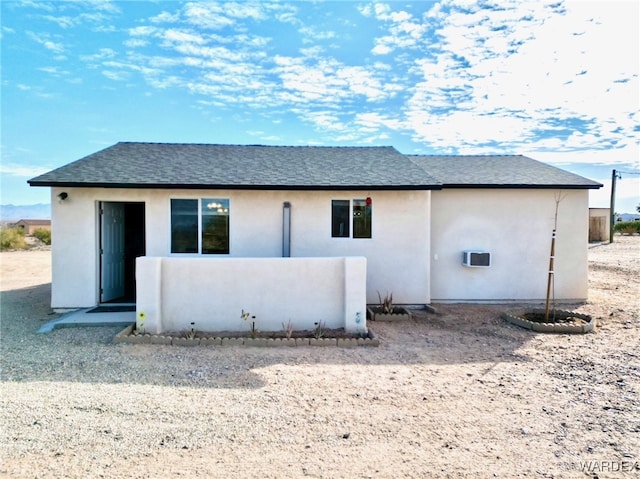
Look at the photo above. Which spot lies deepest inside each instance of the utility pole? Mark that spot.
(614, 176)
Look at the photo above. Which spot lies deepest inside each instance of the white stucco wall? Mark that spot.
(397, 254)
(516, 227)
(74, 243)
(213, 292)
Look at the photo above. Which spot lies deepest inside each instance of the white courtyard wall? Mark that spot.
(210, 294)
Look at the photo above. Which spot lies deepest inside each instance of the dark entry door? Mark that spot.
(122, 240)
(112, 262)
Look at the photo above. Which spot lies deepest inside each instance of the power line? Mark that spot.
(629, 172)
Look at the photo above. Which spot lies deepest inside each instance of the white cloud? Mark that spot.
(37, 4)
(45, 40)
(325, 120)
(312, 52)
(326, 80)
(94, 13)
(55, 71)
(373, 121)
(116, 75)
(466, 130)
(383, 46)
(175, 36)
(101, 55)
(527, 67)
(243, 10)
(135, 43)
(520, 75)
(236, 68)
(105, 6)
(312, 34)
(63, 22)
(219, 15)
(264, 136)
(627, 155)
(405, 30)
(26, 171)
(165, 17)
(211, 16)
(366, 10)
(143, 31)
(361, 81)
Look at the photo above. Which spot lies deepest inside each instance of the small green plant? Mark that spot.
(319, 331)
(12, 238)
(627, 227)
(386, 303)
(43, 235)
(245, 315)
(288, 329)
(191, 333)
(140, 324)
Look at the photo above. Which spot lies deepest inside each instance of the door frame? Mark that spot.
(133, 245)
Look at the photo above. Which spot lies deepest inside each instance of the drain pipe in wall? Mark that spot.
(286, 229)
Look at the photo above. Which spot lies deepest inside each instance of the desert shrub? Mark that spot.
(11, 238)
(627, 227)
(43, 235)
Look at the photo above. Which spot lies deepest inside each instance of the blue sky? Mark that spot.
(557, 81)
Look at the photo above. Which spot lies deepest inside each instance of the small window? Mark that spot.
(215, 226)
(340, 218)
(184, 226)
(362, 218)
(200, 226)
(347, 216)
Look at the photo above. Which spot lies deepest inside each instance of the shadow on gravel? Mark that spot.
(458, 334)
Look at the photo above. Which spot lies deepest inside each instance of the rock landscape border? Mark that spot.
(400, 314)
(127, 336)
(559, 328)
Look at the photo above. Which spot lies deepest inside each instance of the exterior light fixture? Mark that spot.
(63, 196)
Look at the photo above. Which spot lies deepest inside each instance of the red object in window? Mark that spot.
(368, 201)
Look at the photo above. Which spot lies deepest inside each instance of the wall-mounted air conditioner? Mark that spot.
(476, 259)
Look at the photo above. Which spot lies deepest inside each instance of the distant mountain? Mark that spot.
(629, 217)
(40, 211)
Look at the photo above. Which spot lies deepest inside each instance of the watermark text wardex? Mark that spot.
(609, 466)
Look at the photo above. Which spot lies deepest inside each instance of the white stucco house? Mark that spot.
(307, 234)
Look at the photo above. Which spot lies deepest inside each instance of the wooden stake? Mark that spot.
(550, 281)
(552, 257)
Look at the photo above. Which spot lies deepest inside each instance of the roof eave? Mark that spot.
(594, 186)
(201, 186)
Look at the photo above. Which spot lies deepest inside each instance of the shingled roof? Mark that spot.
(202, 166)
(508, 171)
(168, 165)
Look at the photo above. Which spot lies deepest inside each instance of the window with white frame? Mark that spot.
(351, 218)
(200, 226)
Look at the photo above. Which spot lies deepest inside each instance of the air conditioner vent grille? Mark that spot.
(476, 259)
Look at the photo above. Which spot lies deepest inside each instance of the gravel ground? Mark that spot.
(457, 394)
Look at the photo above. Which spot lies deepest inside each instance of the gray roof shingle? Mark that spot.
(176, 165)
(508, 171)
(169, 165)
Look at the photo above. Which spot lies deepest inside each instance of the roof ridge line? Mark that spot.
(465, 156)
(251, 145)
